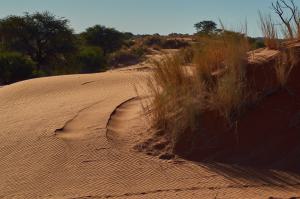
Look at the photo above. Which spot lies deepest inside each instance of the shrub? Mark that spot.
(174, 44)
(126, 57)
(158, 42)
(69, 65)
(109, 39)
(256, 43)
(91, 60)
(15, 67)
(41, 36)
(152, 41)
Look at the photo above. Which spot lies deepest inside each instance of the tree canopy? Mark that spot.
(108, 39)
(206, 27)
(41, 36)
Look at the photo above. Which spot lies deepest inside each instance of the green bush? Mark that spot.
(70, 65)
(109, 39)
(41, 36)
(91, 59)
(15, 67)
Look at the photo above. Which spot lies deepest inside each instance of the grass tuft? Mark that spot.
(216, 82)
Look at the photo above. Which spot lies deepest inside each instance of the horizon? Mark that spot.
(145, 17)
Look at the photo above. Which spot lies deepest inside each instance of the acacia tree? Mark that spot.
(109, 39)
(206, 27)
(289, 14)
(42, 36)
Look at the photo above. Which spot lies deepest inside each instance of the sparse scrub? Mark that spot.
(174, 44)
(152, 40)
(125, 57)
(156, 47)
(160, 42)
(256, 43)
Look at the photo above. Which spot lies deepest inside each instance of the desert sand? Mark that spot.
(72, 137)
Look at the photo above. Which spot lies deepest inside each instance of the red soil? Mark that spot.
(267, 134)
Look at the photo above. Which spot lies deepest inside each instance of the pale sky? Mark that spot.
(146, 16)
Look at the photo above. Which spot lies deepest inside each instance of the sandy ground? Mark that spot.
(72, 136)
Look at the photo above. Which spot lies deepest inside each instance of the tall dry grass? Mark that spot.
(221, 67)
(175, 98)
(287, 58)
(269, 31)
(284, 65)
(216, 82)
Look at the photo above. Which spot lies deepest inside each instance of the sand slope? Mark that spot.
(59, 140)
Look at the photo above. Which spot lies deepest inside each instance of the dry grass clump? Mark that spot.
(221, 67)
(269, 31)
(284, 66)
(216, 83)
(290, 28)
(187, 54)
(176, 103)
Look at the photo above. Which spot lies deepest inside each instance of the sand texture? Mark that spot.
(72, 137)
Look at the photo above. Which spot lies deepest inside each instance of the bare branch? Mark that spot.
(279, 7)
(293, 8)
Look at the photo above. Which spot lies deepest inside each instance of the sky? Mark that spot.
(146, 16)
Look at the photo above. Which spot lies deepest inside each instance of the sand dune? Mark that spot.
(71, 137)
